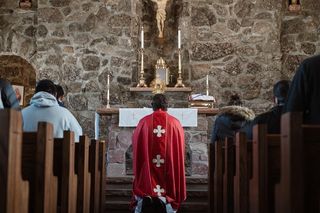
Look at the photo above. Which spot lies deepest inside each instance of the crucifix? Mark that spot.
(25, 4)
(161, 15)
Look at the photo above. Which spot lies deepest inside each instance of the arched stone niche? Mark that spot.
(187, 163)
(19, 72)
(155, 47)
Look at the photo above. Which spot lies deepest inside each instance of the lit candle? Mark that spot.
(142, 38)
(179, 39)
(207, 84)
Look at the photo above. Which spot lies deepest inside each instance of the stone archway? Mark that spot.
(20, 72)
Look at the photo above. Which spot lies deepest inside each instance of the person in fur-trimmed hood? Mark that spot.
(231, 119)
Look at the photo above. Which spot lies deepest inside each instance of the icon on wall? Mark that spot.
(19, 90)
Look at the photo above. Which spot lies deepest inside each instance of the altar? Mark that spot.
(119, 151)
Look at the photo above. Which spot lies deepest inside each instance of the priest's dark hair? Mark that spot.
(48, 86)
(159, 101)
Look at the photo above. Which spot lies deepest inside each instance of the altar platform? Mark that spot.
(119, 151)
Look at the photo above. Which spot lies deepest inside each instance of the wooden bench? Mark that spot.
(98, 174)
(299, 188)
(265, 169)
(63, 176)
(37, 169)
(235, 179)
(14, 191)
(83, 173)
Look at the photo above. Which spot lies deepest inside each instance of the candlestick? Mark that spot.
(179, 79)
(207, 83)
(142, 80)
(179, 39)
(108, 90)
(142, 38)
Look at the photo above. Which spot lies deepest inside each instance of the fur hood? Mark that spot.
(238, 111)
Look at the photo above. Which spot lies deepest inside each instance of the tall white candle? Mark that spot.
(179, 39)
(207, 84)
(142, 38)
(142, 63)
(108, 88)
(179, 63)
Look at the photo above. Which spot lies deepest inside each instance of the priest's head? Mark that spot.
(159, 101)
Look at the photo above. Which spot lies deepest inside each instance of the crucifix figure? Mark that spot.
(159, 131)
(25, 4)
(158, 161)
(161, 15)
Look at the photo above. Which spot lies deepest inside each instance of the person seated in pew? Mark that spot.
(304, 92)
(44, 107)
(8, 96)
(272, 117)
(231, 119)
(60, 95)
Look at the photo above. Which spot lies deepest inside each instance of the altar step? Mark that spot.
(119, 192)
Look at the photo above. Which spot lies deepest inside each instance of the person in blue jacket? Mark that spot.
(44, 107)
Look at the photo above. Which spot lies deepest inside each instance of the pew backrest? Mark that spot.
(14, 190)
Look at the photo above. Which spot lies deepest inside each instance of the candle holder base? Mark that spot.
(179, 83)
(142, 83)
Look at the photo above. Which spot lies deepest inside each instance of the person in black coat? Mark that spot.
(304, 92)
(8, 95)
(272, 117)
(231, 119)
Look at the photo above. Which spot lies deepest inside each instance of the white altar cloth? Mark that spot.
(130, 117)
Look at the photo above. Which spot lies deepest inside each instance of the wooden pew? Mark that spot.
(98, 175)
(103, 175)
(218, 177)
(37, 168)
(64, 169)
(299, 186)
(13, 190)
(83, 173)
(243, 155)
(265, 170)
(221, 176)
(228, 175)
(211, 150)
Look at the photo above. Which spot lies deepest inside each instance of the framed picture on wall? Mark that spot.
(19, 90)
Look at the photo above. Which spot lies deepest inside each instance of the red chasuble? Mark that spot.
(158, 158)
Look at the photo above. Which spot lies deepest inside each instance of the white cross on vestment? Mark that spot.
(158, 190)
(158, 161)
(159, 131)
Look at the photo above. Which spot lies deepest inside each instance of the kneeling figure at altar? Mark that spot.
(158, 159)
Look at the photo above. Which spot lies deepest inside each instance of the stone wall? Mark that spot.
(244, 45)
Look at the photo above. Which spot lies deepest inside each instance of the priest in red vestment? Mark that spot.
(158, 158)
